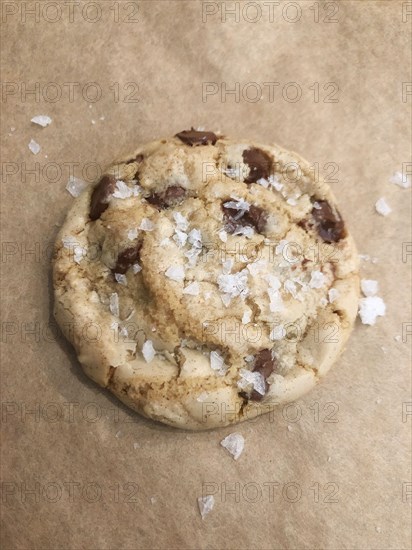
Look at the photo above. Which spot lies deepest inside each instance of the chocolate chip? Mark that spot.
(265, 365)
(194, 137)
(255, 217)
(259, 162)
(101, 196)
(172, 196)
(127, 258)
(329, 223)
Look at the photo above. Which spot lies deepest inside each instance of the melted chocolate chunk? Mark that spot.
(259, 163)
(255, 217)
(127, 258)
(139, 158)
(265, 365)
(101, 196)
(170, 197)
(194, 137)
(329, 223)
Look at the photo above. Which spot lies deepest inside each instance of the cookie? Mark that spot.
(204, 281)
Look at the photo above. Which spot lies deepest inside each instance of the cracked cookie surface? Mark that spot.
(205, 280)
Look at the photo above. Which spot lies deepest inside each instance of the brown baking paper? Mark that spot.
(328, 80)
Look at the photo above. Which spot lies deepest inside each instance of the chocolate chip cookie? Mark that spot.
(204, 280)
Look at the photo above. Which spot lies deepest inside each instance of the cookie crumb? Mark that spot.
(205, 505)
(382, 207)
(234, 443)
(42, 120)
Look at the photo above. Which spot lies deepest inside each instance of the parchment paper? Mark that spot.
(78, 469)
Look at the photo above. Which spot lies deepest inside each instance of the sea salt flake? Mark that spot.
(180, 238)
(238, 204)
(34, 147)
(323, 302)
(317, 279)
(273, 281)
(246, 317)
(256, 267)
(370, 308)
(42, 120)
(317, 206)
(246, 230)
(275, 300)
(146, 225)
(136, 445)
(382, 207)
(75, 186)
(369, 287)
(291, 201)
(234, 284)
(278, 333)
(148, 351)
(181, 221)
(121, 279)
(254, 379)
(192, 289)
(226, 299)
(136, 268)
(274, 182)
(263, 182)
(279, 248)
(290, 287)
(122, 191)
(227, 266)
(234, 443)
(399, 179)
(176, 273)
(114, 304)
(333, 294)
(195, 238)
(217, 363)
(192, 255)
(207, 295)
(205, 505)
(202, 397)
(132, 234)
(397, 338)
(223, 235)
(165, 242)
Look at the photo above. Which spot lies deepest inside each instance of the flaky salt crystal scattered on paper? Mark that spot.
(234, 443)
(75, 186)
(42, 120)
(205, 505)
(34, 147)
